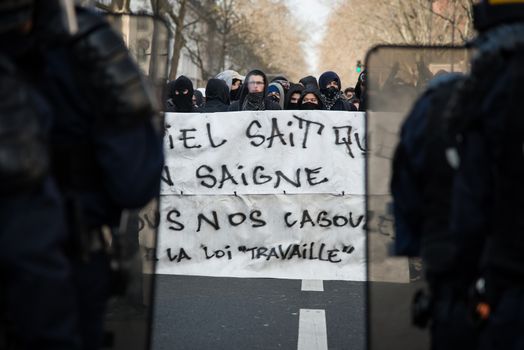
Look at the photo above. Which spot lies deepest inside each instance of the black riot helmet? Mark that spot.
(13, 13)
(491, 13)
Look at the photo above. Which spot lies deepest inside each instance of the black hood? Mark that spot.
(181, 83)
(294, 88)
(314, 91)
(309, 82)
(217, 89)
(328, 77)
(183, 103)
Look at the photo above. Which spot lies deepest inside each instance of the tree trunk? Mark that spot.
(121, 6)
(179, 40)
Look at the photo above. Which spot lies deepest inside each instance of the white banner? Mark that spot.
(264, 152)
(284, 236)
(263, 194)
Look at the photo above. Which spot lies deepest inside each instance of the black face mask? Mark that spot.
(310, 106)
(254, 102)
(235, 94)
(183, 103)
(292, 105)
(331, 92)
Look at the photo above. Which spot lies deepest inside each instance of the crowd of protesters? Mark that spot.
(230, 91)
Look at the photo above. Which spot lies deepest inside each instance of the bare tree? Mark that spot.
(229, 34)
(115, 6)
(234, 34)
(364, 24)
(176, 16)
(273, 36)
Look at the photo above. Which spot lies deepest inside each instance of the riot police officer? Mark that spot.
(106, 153)
(488, 196)
(421, 187)
(37, 299)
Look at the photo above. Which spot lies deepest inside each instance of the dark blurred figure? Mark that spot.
(332, 99)
(488, 198)
(180, 96)
(217, 97)
(293, 96)
(253, 94)
(310, 99)
(309, 82)
(197, 99)
(356, 102)
(421, 187)
(360, 89)
(107, 154)
(38, 308)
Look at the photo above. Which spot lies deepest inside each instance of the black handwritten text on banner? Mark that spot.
(263, 194)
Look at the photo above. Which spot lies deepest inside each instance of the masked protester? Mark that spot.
(310, 99)
(180, 96)
(198, 99)
(253, 94)
(217, 97)
(275, 92)
(329, 83)
(360, 89)
(233, 81)
(293, 96)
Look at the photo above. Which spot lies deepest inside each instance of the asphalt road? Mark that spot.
(200, 313)
(237, 313)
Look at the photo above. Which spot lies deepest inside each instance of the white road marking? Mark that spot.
(312, 285)
(312, 333)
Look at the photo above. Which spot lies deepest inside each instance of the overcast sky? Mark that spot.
(314, 14)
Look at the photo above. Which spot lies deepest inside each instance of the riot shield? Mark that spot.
(396, 78)
(129, 314)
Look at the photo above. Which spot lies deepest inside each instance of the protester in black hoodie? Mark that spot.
(310, 99)
(253, 94)
(180, 96)
(217, 97)
(360, 89)
(329, 84)
(198, 99)
(293, 96)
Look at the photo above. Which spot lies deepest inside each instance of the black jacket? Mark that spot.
(294, 88)
(343, 105)
(217, 97)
